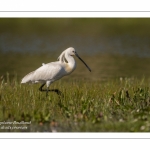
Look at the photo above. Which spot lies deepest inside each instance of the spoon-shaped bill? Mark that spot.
(83, 62)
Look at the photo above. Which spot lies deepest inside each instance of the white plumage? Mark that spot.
(48, 73)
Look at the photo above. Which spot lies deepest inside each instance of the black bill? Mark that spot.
(83, 62)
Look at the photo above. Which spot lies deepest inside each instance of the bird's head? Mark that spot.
(72, 52)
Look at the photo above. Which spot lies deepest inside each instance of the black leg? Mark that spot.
(47, 90)
(41, 87)
(57, 91)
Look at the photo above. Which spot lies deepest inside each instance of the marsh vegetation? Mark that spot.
(114, 97)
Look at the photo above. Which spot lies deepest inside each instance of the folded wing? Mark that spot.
(51, 71)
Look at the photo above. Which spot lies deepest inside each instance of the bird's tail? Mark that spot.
(28, 78)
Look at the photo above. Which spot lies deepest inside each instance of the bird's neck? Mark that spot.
(71, 63)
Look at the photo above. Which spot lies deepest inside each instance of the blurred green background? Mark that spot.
(112, 47)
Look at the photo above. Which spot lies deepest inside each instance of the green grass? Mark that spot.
(114, 97)
(121, 105)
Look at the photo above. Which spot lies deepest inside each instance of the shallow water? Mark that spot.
(121, 44)
(111, 47)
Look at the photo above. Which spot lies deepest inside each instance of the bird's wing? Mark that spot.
(28, 77)
(51, 71)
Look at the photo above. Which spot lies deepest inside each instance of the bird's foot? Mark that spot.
(52, 90)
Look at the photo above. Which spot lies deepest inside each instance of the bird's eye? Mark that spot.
(73, 51)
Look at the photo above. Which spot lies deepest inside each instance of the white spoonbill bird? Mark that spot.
(48, 73)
